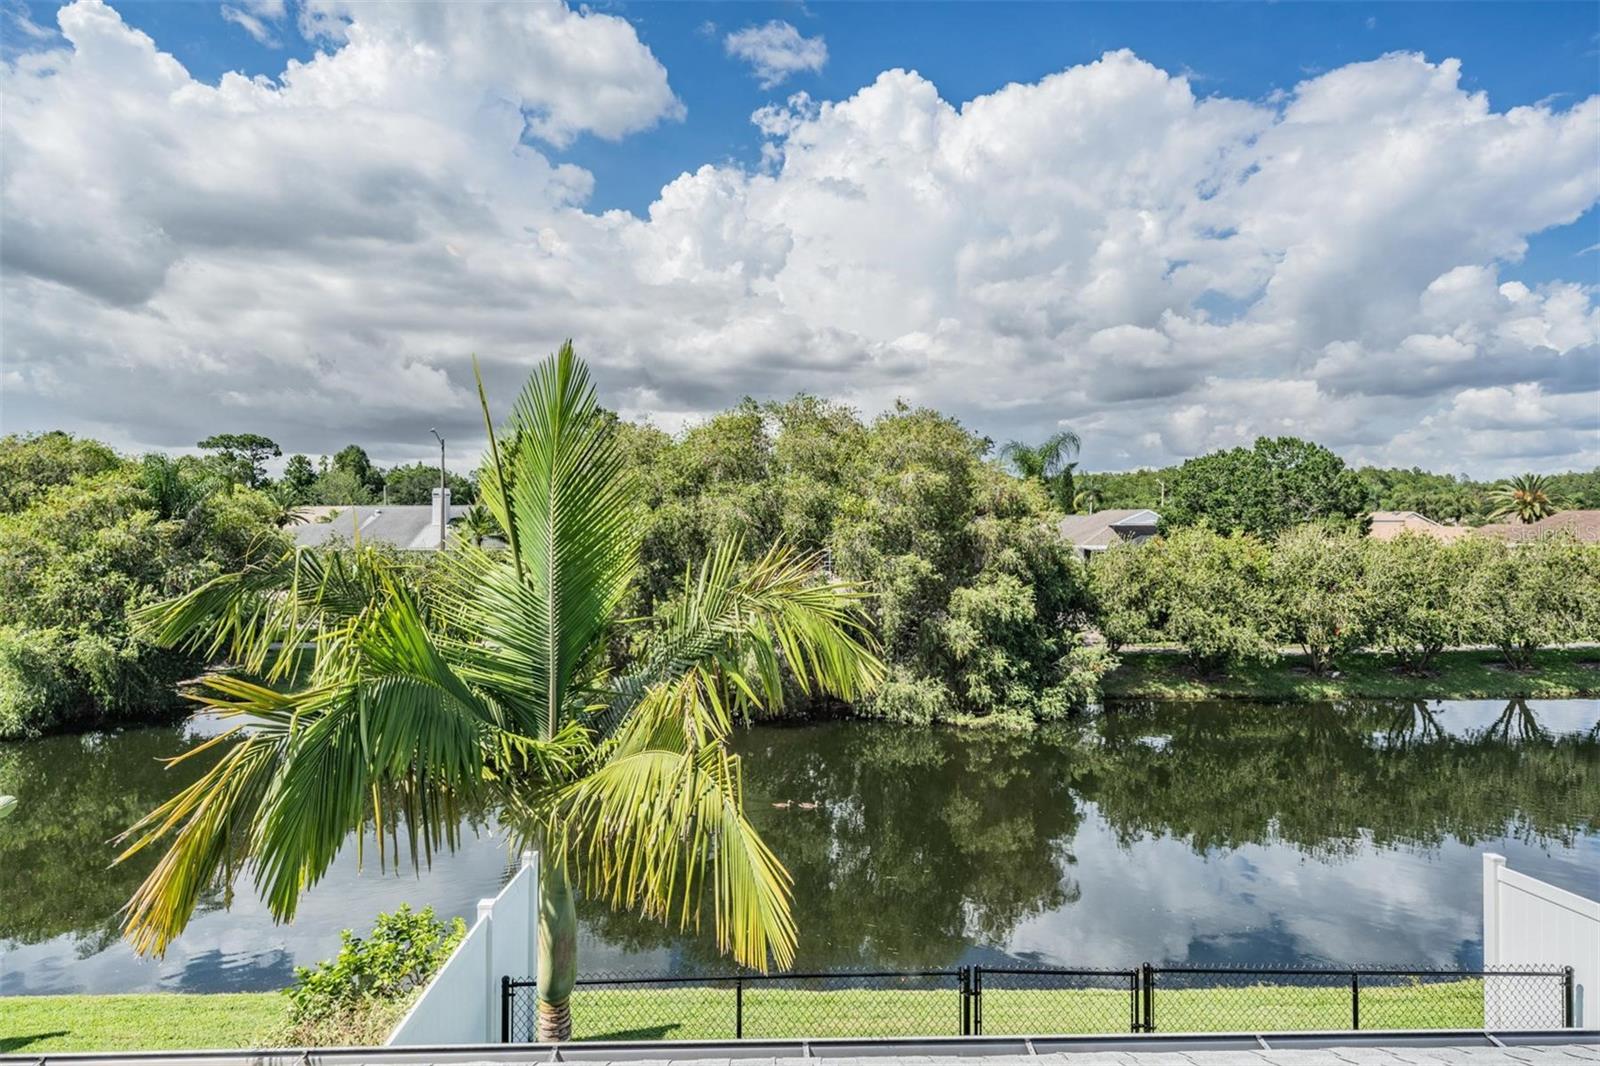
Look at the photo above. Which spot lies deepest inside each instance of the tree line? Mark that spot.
(981, 606)
(1230, 599)
(349, 476)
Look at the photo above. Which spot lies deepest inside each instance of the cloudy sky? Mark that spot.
(1170, 228)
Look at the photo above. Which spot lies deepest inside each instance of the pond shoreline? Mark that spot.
(1557, 673)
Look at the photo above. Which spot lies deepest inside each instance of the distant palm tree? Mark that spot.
(478, 524)
(1087, 501)
(1528, 497)
(1048, 463)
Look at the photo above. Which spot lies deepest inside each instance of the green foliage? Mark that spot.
(403, 951)
(31, 465)
(1319, 592)
(352, 459)
(1522, 597)
(414, 484)
(1526, 497)
(85, 552)
(1411, 590)
(1213, 597)
(1125, 581)
(243, 455)
(1049, 464)
(298, 478)
(977, 601)
(38, 688)
(1264, 490)
(336, 486)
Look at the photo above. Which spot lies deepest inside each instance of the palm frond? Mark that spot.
(567, 501)
(265, 617)
(657, 830)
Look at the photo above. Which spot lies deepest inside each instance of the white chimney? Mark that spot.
(441, 512)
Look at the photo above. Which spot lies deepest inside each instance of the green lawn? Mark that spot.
(689, 1013)
(157, 1021)
(1559, 673)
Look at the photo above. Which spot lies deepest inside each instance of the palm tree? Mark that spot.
(1087, 501)
(497, 688)
(1047, 463)
(1529, 497)
(478, 524)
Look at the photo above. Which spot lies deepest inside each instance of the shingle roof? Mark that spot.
(1101, 529)
(1583, 524)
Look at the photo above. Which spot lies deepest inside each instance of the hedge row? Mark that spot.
(1230, 599)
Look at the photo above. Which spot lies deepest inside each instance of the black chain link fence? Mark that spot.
(1043, 1001)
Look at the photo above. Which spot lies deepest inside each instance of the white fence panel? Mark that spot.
(1527, 921)
(461, 1005)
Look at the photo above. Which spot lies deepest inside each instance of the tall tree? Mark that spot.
(244, 455)
(498, 687)
(353, 460)
(414, 484)
(1278, 483)
(1049, 463)
(298, 478)
(1526, 497)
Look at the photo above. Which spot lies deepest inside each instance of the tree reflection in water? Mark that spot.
(925, 846)
(928, 844)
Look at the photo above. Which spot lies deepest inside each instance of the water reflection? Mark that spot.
(1202, 832)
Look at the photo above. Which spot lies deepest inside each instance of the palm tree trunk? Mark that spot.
(558, 952)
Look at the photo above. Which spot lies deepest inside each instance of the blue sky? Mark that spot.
(1274, 217)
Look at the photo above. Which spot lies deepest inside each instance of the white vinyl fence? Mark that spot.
(1528, 921)
(461, 1005)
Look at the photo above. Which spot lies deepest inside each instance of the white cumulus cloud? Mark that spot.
(318, 256)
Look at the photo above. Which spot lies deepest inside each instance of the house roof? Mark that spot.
(404, 526)
(1582, 524)
(1104, 528)
(1386, 525)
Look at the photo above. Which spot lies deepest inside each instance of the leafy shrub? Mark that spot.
(1318, 590)
(1211, 598)
(1412, 598)
(370, 976)
(1125, 582)
(37, 688)
(1520, 598)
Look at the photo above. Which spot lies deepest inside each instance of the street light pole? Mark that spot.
(444, 507)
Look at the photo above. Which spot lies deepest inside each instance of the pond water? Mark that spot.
(1161, 832)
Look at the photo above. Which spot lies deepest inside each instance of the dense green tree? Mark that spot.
(353, 460)
(243, 455)
(1263, 490)
(1412, 598)
(337, 486)
(31, 465)
(1211, 596)
(1319, 595)
(299, 478)
(414, 483)
(1520, 598)
(1125, 580)
(85, 553)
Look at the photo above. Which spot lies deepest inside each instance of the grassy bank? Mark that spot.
(152, 1022)
(1556, 674)
(31, 1024)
